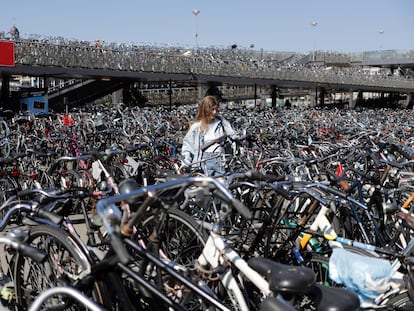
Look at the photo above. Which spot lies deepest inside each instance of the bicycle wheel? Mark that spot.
(179, 241)
(64, 265)
(86, 179)
(129, 126)
(5, 148)
(4, 129)
(71, 178)
(7, 186)
(142, 125)
(181, 238)
(118, 172)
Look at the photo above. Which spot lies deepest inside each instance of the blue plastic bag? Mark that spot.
(367, 276)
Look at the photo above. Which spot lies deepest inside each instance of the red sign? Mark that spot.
(6, 53)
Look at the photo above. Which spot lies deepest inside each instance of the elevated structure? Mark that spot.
(142, 71)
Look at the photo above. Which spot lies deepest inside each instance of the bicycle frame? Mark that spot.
(217, 253)
(321, 222)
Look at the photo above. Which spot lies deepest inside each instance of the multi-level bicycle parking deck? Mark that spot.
(205, 66)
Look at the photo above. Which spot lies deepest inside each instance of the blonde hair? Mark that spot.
(204, 111)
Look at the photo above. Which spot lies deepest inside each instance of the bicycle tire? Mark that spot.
(64, 263)
(118, 172)
(180, 241)
(71, 178)
(8, 185)
(5, 148)
(4, 129)
(129, 126)
(86, 179)
(142, 125)
(182, 238)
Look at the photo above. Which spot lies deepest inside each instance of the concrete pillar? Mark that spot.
(382, 97)
(313, 98)
(352, 102)
(170, 93)
(360, 97)
(46, 80)
(116, 97)
(255, 95)
(322, 93)
(202, 89)
(5, 92)
(274, 95)
(66, 104)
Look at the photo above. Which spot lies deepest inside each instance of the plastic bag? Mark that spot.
(367, 276)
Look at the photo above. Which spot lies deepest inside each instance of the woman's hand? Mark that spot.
(182, 169)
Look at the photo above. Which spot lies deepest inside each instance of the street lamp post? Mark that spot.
(381, 32)
(196, 12)
(314, 24)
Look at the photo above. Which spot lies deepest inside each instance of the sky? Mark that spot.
(270, 25)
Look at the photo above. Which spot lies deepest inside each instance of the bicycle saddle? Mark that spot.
(166, 175)
(284, 278)
(334, 299)
(275, 303)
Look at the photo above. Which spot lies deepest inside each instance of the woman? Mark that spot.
(207, 128)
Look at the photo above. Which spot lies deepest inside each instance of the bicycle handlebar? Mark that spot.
(62, 193)
(106, 211)
(14, 239)
(26, 250)
(32, 207)
(15, 203)
(275, 181)
(336, 192)
(201, 181)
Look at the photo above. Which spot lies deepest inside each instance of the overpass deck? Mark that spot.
(46, 59)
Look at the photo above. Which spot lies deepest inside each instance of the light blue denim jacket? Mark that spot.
(192, 140)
